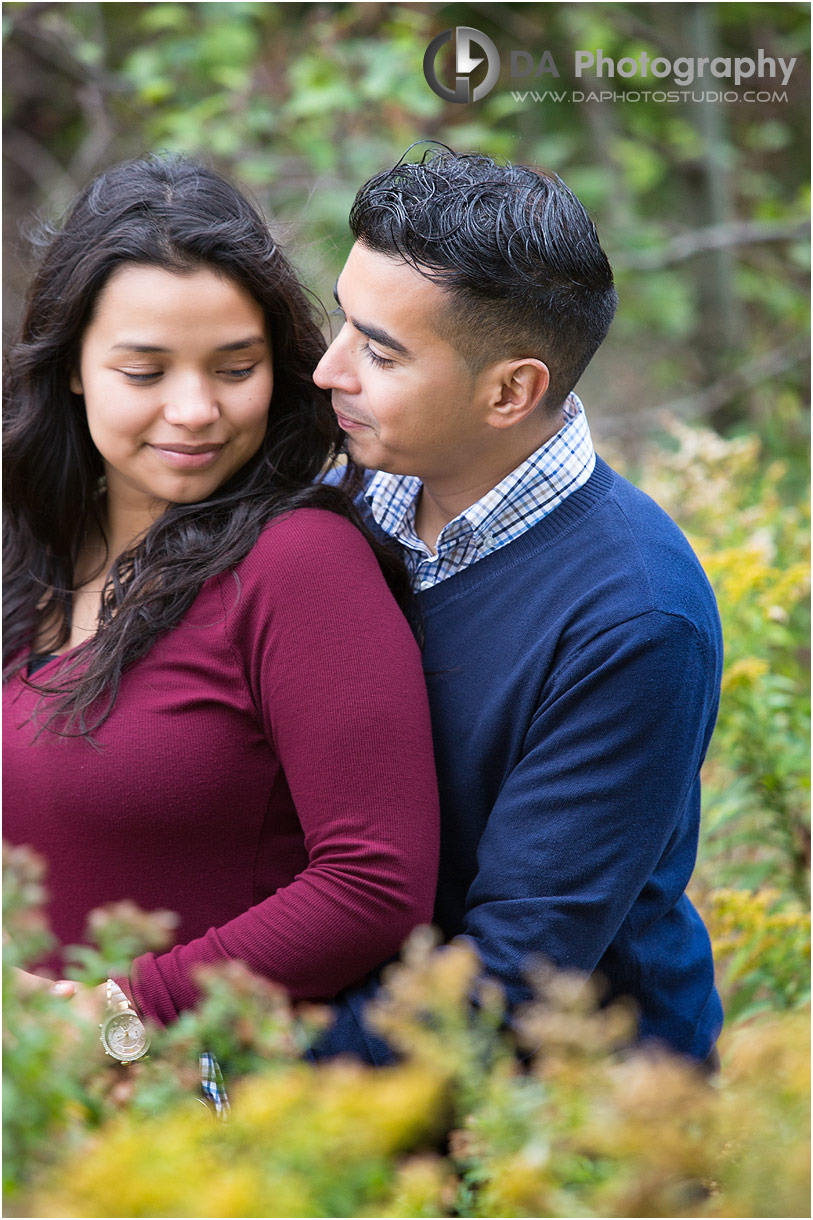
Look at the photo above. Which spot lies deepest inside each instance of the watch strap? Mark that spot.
(119, 1004)
(116, 999)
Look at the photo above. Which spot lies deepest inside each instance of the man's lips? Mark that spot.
(187, 457)
(346, 422)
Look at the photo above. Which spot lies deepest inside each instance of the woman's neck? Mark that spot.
(120, 527)
(125, 523)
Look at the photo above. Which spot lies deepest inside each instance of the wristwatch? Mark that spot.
(123, 1034)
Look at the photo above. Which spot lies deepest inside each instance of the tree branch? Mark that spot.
(713, 237)
(714, 396)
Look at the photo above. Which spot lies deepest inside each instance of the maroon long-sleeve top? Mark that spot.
(267, 773)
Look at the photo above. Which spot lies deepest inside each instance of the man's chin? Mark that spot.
(362, 455)
(372, 457)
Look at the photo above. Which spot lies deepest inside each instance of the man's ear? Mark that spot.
(75, 383)
(517, 388)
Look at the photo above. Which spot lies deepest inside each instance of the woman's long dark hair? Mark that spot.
(178, 215)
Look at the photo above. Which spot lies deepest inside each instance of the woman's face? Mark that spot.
(177, 376)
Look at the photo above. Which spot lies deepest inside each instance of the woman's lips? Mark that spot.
(188, 457)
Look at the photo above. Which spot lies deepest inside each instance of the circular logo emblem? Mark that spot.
(465, 63)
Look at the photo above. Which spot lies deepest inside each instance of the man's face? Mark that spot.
(405, 397)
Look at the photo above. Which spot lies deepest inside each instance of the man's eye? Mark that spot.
(380, 361)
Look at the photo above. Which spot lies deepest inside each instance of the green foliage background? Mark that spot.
(702, 207)
(699, 394)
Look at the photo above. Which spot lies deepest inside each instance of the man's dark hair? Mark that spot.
(512, 246)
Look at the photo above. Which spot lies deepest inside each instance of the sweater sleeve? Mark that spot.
(590, 819)
(601, 805)
(335, 676)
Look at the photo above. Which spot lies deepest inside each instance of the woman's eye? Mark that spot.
(380, 361)
(231, 374)
(140, 378)
(238, 374)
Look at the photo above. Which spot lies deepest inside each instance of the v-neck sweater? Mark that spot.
(573, 680)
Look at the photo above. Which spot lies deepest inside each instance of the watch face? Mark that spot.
(124, 1036)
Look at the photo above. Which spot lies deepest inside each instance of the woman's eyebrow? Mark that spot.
(236, 345)
(137, 347)
(239, 344)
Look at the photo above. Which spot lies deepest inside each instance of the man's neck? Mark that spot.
(436, 507)
(441, 500)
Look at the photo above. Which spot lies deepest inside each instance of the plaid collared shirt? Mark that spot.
(212, 1086)
(519, 501)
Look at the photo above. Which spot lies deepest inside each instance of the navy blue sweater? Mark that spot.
(573, 678)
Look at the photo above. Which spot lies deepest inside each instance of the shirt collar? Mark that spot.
(392, 497)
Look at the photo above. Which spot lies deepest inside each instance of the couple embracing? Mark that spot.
(467, 678)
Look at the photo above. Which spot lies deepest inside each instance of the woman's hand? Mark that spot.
(28, 983)
(88, 1003)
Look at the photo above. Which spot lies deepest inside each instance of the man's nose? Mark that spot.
(191, 403)
(334, 371)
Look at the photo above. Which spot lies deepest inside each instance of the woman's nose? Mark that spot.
(191, 403)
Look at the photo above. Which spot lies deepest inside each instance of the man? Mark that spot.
(572, 643)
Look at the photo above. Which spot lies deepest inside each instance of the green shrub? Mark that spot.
(575, 1125)
(753, 539)
(462, 1126)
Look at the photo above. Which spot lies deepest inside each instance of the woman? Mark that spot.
(212, 701)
